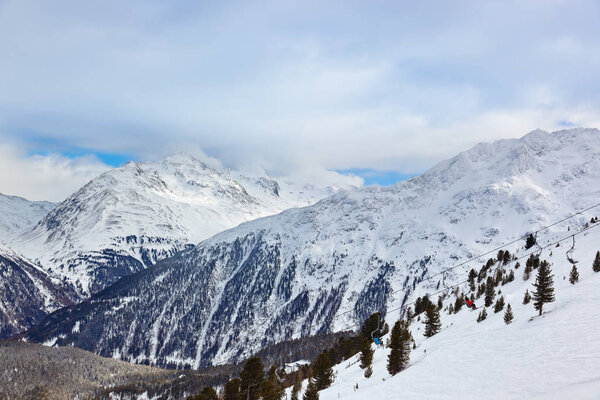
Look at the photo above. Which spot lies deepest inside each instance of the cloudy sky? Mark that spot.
(379, 89)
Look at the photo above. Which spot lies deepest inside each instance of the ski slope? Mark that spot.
(555, 356)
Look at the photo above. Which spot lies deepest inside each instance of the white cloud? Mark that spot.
(291, 86)
(44, 177)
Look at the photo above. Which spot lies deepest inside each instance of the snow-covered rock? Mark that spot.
(128, 218)
(327, 266)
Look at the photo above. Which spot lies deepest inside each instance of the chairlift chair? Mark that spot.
(570, 253)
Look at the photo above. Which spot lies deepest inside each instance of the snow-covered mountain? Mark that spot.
(128, 218)
(18, 214)
(555, 356)
(327, 266)
(27, 293)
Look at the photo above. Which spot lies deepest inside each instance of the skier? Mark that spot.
(377, 341)
(470, 304)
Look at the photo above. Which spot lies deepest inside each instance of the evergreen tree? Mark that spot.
(511, 276)
(458, 303)
(506, 258)
(490, 291)
(368, 371)
(232, 390)
(517, 265)
(311, 391)
(208, 393)
(596, 264)
(499, 305)
(432, 322)
(482, 315)
(528, 269)
(322, 372)
(409, 315)
(440, 303)
(574, 275)
(366, 354)
(544, 287)
(530, 241)
(527, 297)
(472, 276)
(500, 256)
(450, 309)
(400, 348)
(498, 277)
(251, 379)
(508, 315)
(296, 389)
(270, 391)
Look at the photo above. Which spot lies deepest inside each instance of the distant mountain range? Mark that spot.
(129, 218)
(315, 269)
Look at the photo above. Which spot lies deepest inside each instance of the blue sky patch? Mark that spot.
(377, 177)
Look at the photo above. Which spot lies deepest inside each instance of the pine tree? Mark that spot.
(458, 303)
(500, 255)
(574, 275)
(322, 372)
(506, 258)
(528, 269)
(270, 391)
(508, 315)
(499, 305)
(450, 309)
(472, 276)
(482, 315)
(409, 315)
(400, 348)
(490, 291)
(232, 390)
(432, 322)
(498, 277)
(311, 391)
(527, 297)
(296, 389)
(517, 265)
(596, 264)
(251, 378)
(366, 355)
(544, 287)
(208, 393)
(530, 241)
(511, 276)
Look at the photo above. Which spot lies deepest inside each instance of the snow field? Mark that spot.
(555, 356)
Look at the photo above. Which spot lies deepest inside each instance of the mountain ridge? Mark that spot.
(362, 250)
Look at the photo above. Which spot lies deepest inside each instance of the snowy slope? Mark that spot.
(128, 218)
(27, 293)
(18, 214)
(555, 356)
(326, 266)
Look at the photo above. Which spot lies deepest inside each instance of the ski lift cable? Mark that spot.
(485, 254)
(526, 255)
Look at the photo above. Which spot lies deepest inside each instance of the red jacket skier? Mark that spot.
(470, 304)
